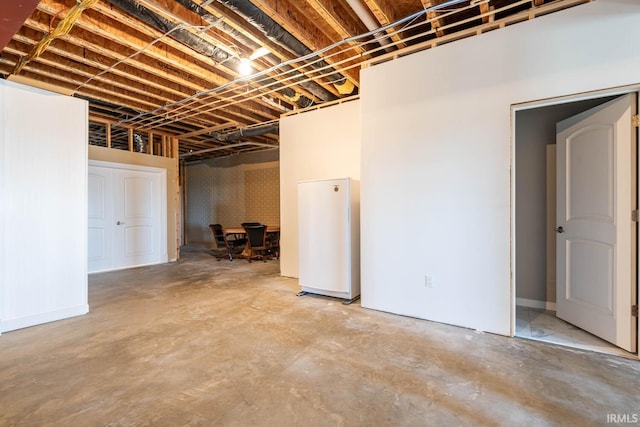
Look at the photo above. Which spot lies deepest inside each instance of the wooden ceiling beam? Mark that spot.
(251, 111)
(301, 25)
(83, 72)
(251, 32)
(105, 93)
(432, 16)
(238, 24)
(183, 67)
(100, 117)
(223, 74)
(485, 8)
(386, 13)
(106, 47)
(175, 12)
(156, 61)
(340, 17)
(114, 35)
(63, 82)
(73, 50)
(202, 69)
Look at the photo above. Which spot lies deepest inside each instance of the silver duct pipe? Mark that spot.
(246, 132)
(165, 26)
(276, 33)
(312, 87)
(196, 43)
(226, 147)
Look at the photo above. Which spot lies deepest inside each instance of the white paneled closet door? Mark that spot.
(136, 204)
(127, 217)
(100, 211)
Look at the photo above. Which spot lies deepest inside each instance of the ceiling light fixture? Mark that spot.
(244, 68)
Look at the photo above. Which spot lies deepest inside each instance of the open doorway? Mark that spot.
(535, 220)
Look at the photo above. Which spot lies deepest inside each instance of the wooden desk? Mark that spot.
(240, 230)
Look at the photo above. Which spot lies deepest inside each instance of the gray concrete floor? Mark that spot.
(200, 342)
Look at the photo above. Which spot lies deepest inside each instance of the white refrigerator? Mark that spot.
(329, 238)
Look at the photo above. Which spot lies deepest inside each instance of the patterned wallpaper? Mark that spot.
(229, 195)
(262, 195)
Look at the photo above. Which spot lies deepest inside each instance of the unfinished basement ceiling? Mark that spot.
(172, 67)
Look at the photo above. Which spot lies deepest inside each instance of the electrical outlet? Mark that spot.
(428, 281)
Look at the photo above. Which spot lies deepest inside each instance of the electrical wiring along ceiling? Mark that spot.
(217, 75)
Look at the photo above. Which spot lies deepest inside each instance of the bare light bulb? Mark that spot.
(245, 67)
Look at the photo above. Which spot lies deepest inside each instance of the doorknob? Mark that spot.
(122, 222)
(559, 229)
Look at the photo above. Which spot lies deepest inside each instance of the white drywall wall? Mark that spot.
(436, 155)
(318, 144)
(43, 205)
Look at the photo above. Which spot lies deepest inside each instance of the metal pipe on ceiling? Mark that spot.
(365, 16)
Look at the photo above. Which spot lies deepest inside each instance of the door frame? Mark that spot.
(616, 91)
(164, 254)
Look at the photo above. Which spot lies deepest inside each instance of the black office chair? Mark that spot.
(232, 246)
(273, 243)
(243, 237)
(257, 241)
(251, 224)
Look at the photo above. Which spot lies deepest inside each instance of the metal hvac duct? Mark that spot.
(227, 147)
(245, 133)
(312, 87)
(197, 44)
(279, 35)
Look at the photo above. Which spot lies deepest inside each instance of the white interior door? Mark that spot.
(100, 211)
(137, 220)
(596, 234)
(127, 216)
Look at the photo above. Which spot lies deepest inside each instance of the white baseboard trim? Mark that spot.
(532, 303)
(7, 325)
(104, 270)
